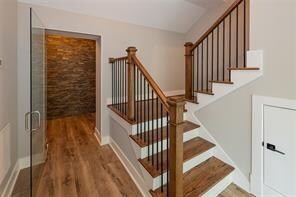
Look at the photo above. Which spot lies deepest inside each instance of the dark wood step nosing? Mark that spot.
(143, 145)
(210, 146)
(243, 68)
(223, 82)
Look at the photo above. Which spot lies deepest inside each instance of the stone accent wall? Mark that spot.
(71, 76)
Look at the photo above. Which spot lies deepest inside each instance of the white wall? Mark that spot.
(206, 21)
(160, 51)
(229, 119)
(8, 77)
(294, 25)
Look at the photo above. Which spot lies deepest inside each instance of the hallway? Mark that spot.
(78, 166)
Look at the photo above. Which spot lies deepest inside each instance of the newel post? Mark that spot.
(176, 109)
(131, 86)
(188, 71)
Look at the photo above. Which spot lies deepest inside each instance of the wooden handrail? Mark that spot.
(151, 81)
(111, 60)
(219, 20)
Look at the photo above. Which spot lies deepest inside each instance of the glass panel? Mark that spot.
(38, 101)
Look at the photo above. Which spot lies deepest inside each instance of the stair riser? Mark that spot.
(146, 126)
(188, 165)
(143, 152)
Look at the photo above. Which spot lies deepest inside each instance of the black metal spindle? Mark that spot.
(157, 132)
(148, 111)
(152, 130)
(137, 102)
(161, 110)
(145, 111)
(230, 29)
(120, 85)
(218, 50)
(116, 84)
(126, 88)
(202, 65)
(193, 78)
(197, 69)
(245, 23)
(212, 55)
(237, 36)
(141, 106)
(112, 74)
(207, 78)
(223, 50)
(167, 144)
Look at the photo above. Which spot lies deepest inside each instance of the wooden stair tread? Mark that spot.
(243, 68)
(234, 190)
(209, 92)
(224, 82)
(201, 178)
(192, 148)
(188, 126)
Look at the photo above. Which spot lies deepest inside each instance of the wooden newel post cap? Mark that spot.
(188, 44)
(111, 60)
(131, 50)
(176, 101)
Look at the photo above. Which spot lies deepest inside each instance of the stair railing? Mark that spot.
(219, 50)
(138, 99)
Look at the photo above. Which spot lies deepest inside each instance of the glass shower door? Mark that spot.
(37, 102)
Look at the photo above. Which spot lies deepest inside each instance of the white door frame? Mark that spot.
(258, 103)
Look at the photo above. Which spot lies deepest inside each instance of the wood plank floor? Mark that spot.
(234, 191)
(77, 165)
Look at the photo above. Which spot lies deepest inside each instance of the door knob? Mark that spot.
(273, 148)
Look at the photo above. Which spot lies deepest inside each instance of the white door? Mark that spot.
(279, 163)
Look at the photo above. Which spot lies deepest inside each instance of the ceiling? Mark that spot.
(172, 15)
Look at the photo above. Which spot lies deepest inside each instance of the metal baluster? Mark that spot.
(218, 32)
(161, 109)
(212, 55)
(245, 23)
(223, 50)
(197, 68)
(152, 130)
(120, 84)
(116, 84)
(168, 135)
(207, 64)
(141, 105)
(229, 72)
(157, 132)
(112, 68)
(137, 101)
(145, 119)
(202, 64)
(148, 130)
(237, 37)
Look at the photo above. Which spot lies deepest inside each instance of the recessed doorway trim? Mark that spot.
(258, 103)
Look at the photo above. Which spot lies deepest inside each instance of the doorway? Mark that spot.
(273, 147)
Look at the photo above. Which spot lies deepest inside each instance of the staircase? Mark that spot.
(175, 157)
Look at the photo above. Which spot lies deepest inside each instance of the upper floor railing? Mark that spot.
(220, 49)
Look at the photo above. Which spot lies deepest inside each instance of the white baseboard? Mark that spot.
(102, 140)
(136, 177)
(8, 189)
